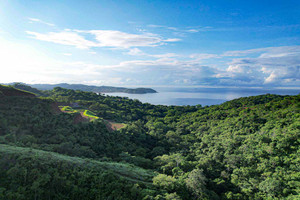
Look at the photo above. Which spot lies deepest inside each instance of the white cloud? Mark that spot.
(32, 20)
(118, 39)
(66, 38)
(138, 52)
(67, 54)
(172, 28)
(193, 30)
(272, 65)
(242, 53)
(202, 56)
(166, 55)
(155, 26)
(179, 31)
(103, 38)
(135, 52)
(266, 52)
(172, 40)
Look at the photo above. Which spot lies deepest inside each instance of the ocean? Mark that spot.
(200, 95)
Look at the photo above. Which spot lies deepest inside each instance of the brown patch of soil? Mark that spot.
(78, 118)
(108, 126)
(55, 108)
(112, 126)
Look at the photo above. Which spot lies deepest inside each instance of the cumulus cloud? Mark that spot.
(166, 71)
(271, 66)
(135, 52)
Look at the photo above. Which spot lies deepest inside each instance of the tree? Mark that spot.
(172, 196)
(196, 182)
(164, 181)
(168, 162)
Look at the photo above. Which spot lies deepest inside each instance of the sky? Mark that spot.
(151, 43)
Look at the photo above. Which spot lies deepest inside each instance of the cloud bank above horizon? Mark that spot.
(146, 54)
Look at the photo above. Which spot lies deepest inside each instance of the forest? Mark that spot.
(87, 88)
(247, 148)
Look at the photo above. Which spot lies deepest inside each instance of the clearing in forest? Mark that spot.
(113, 126)
(89, 115)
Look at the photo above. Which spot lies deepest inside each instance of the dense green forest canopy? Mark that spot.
(247, 148)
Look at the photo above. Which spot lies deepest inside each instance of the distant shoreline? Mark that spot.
(91, 88)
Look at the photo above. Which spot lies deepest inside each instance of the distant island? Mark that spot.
(89, 88)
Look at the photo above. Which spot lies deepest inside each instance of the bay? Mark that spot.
(200, 95)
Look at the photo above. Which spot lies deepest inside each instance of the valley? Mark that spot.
(66, 144)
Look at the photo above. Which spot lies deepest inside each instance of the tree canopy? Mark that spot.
(247, 148)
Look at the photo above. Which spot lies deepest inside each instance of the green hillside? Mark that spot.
(123, 170)
(11, 91)
(247, 148)
(27, 88)
(99, 89)
(36, 174)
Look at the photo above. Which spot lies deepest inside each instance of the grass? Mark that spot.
(67, 109)
(124, 170)
(90, 114)
(123, 125)
(86, 113)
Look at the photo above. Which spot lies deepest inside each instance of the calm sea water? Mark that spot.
(203, 96)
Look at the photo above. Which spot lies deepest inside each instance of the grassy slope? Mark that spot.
(90, 114)
(126, 171)
(10, 91)
(87, 113)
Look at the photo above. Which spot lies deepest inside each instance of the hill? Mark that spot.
(27, 88)
(97, 89)
(246, 148)
(50, 175)
(11, 91)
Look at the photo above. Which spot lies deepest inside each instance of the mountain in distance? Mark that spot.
(34, 88)
(90, 88)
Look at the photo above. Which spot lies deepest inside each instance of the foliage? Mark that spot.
(27, 88)
(247, 148)
(196, 182)
(98, 89)
(32, 174)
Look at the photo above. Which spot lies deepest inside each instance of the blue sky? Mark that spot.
(175, 43)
